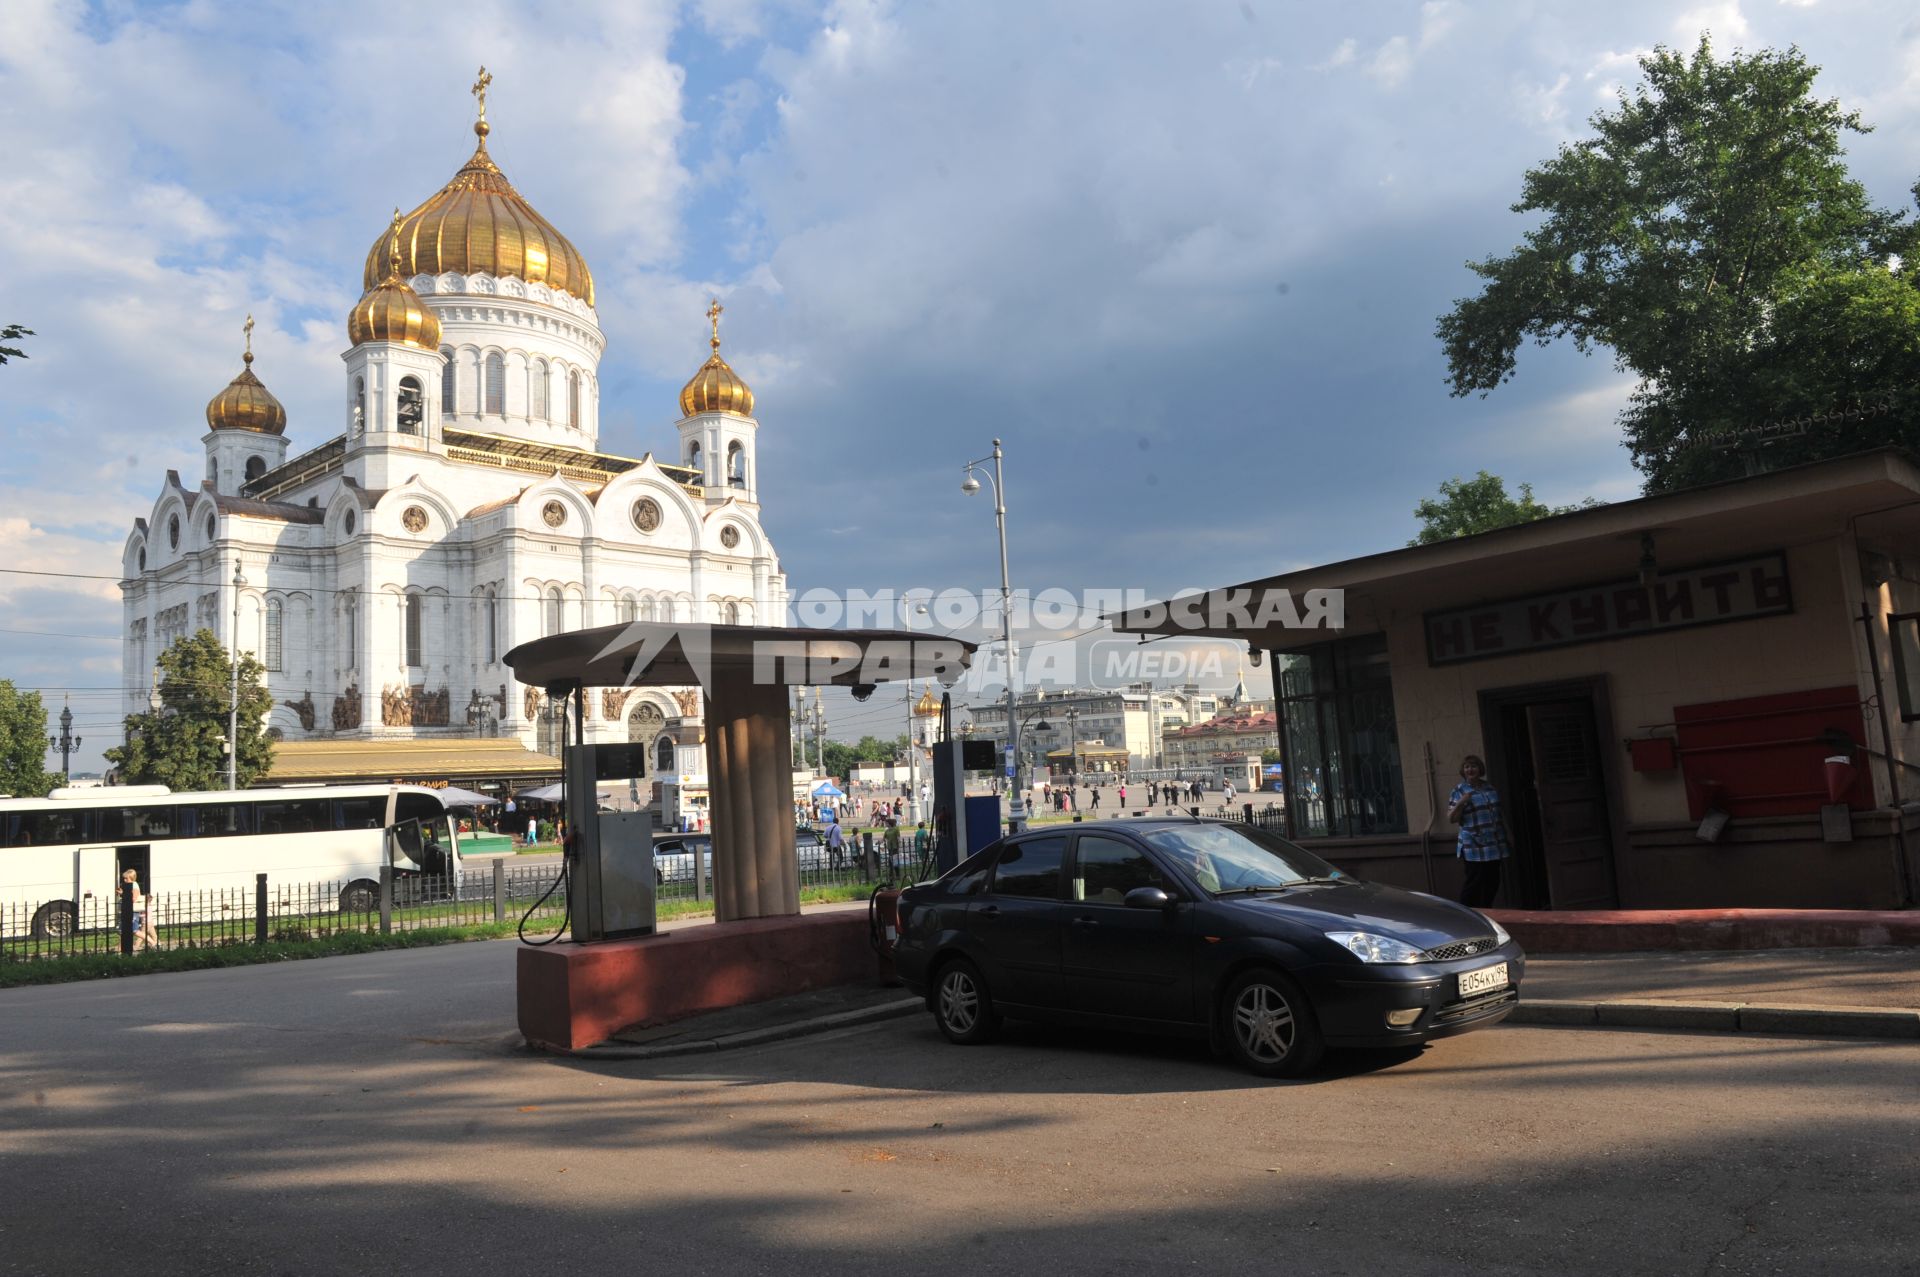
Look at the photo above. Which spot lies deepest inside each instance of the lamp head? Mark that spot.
(969, 485)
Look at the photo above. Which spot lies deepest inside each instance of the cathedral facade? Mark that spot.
(458, 506)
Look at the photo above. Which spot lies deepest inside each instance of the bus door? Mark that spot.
(96, 887)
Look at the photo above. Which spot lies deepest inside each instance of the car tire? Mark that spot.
(1270, 1026)
(962, 1006)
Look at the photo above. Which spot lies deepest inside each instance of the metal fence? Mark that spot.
(276, 911)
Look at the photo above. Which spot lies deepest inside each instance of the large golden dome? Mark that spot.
(246, 404)
(479, 225)
(392, 311)
(716, 387)
(926, 706)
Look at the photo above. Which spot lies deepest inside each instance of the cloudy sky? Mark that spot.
(1184, 258)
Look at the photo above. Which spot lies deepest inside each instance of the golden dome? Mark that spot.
(391, 311)
(479, 225)
(716, 387)
(926, 706)
(246, 404)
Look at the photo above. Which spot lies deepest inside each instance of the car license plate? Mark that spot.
(1493, 977)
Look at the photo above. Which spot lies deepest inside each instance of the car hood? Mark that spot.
(1412, 916)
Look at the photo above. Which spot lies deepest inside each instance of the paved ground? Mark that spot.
(373, 1114)
(1796, 977)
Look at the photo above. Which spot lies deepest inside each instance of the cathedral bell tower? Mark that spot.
(393, 375)
(246, 429)
(717, 429)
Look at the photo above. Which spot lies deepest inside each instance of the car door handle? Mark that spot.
(990, 911)
(1086, 922)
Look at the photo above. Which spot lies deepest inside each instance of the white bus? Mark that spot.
(61, 856)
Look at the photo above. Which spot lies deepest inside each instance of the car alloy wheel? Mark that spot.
(1270, 1025)
(962, 1006)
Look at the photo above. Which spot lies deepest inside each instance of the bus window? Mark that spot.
(132, 824)
(51, 828)
(221, 820)
(369, 812)
(415, 807)
(299, 816)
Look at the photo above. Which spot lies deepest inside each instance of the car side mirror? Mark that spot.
(1148, 898)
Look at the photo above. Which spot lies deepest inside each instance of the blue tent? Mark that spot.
(827, 789)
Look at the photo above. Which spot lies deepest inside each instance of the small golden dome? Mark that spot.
(926, 706)
(392, 311)
(716, 387)
(479, 225)
(246, 404)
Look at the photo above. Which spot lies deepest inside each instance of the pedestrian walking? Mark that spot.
(1123, 795)
(1474, 805)
(836, 846)
(143, 933)
(1096, 798)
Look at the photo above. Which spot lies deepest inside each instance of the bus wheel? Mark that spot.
(54, 920)
(359, 897)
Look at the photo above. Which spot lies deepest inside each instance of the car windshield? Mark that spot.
(1229, 858)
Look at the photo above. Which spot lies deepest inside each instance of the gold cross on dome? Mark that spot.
(248, 328)
(479, 90)
(713, 313)
(393, 247)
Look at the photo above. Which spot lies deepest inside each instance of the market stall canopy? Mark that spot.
(827, 789)
(454, 796)
(682, 654)
(553, 793)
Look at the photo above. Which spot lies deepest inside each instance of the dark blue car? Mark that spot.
(1208, 928)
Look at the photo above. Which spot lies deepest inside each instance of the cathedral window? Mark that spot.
(496, 385)
(554, 608)
(446, 383)
(350, 615)
(490, 624)
(736, 465)
(649, 610)
(213, 475)
(629, 610)
(573, 398)
(359, 404)
(274, 635)
(693, 458)
(412, 619)
(730, 613)
(663, 754)
(539, 412)
(411, 412)
(256, 466)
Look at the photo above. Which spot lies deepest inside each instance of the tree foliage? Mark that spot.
(180, 744)
(13, 332)
(1479, 504)
(23, 743)
(870, 749)
(1710, 236)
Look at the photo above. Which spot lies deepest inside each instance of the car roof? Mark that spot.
(1135, 824)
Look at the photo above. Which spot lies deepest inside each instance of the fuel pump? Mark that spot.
(610, 853)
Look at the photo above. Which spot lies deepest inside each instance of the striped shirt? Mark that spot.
(1482, 834)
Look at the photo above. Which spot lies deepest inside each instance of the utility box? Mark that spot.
(610, 853)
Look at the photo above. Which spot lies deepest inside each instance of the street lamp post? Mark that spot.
(66, 742)
(913, 724)
(1017, 811)
(233, 708)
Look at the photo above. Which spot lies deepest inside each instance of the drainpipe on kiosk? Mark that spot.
(1867, 619)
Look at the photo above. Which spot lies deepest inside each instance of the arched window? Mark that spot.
(693, 458)
(446, 383)
(412, 616)
(555, 619)
(629, 610)
(539, 412)
(490, 623)
(213, 473)
(272, 646)
(736, 465)
(256, 466)
(350, 614)
(359, 404)
(411, 411)
(649, 610)
(663, 754)
(730, 613)
(496, 398)
(573, 398)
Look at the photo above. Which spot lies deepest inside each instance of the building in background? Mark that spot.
(457, 506)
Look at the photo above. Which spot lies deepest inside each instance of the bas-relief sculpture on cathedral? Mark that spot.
(414, 707)
(305, 710)
(435, 305)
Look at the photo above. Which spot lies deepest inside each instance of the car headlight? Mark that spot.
(1368, 947)
(1500, 935)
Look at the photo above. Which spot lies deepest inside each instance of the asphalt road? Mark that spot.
(375, 1114)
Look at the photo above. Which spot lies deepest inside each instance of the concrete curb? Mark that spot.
(752, 1037)
(1724, 1017)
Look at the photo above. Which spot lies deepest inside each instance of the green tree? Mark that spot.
(1480, 504)
(180, 744)
(23, 743)
(13, 332)
(1710, 236)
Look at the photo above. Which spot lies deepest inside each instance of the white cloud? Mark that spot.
(1726, 22)
(1343, 55)
(1392, 62)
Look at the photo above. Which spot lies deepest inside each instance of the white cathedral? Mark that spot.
(461, 505)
